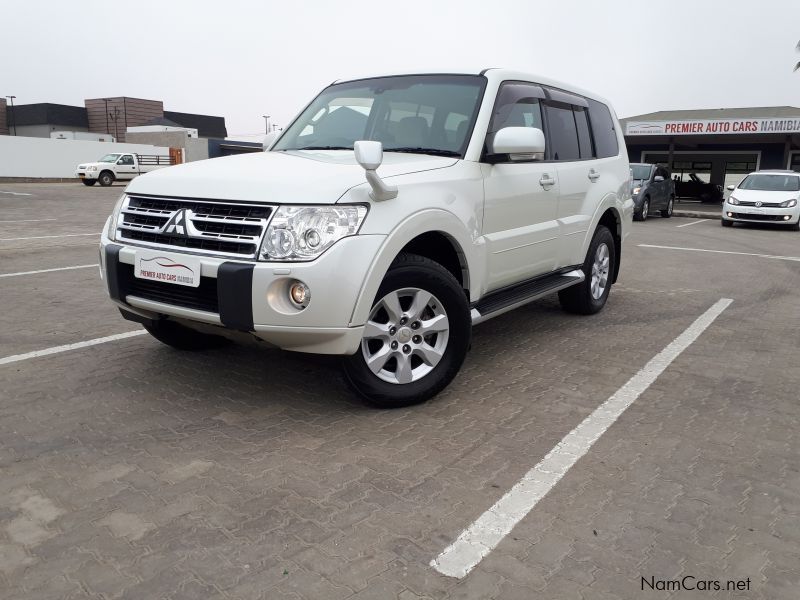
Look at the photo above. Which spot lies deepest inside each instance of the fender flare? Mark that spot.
(421, 222)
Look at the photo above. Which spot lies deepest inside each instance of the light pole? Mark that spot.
(266, 124)
(115, 118)
(13, 116)
(106, 101)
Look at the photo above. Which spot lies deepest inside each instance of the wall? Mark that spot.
(3, 117)
(39, 157)
(132, 112)
(43, 131)
(195, 150)
(168, 139)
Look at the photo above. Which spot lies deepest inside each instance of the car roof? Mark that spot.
(776, 172)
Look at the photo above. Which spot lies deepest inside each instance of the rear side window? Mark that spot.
(605, 134)
(562, 133)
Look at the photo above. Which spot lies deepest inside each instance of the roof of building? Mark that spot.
(46, 113)
(755, 112)
(207, 126)
(163, 121)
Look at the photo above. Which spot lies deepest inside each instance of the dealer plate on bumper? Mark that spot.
(167, 268)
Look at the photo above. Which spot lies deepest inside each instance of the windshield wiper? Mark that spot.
(431, 151)
(322, 148)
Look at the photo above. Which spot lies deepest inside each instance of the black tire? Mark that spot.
(726, 223)
(642, 216)
(413, 271)
(89, 182)
(578, 299)
(182, 338)
(106, 178)
(795, 226)
(667, 212)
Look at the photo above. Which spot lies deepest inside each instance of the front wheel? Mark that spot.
(726, 223)
(182, 338)
(667, 213)
(415, 338)
(642, 216)
(589, 296)
(88, 181)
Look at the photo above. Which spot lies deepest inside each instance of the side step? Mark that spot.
(506, 299)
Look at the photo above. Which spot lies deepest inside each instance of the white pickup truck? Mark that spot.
(391, 216)
(123, 166)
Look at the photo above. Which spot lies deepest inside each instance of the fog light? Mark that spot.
(730, 214)
(299, 294)
(787, 217)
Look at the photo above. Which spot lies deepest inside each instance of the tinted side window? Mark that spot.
(605, 136)
(584, 137)
(562, 133)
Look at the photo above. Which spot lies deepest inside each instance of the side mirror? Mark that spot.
(658, 179)
(270, 139)
(731, 188)
(521, 143)
(369, 155)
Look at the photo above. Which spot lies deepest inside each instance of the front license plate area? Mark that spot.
(167, 268)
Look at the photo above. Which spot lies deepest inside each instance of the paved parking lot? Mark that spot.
(130, 470)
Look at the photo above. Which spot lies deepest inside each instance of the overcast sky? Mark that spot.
(245, 59)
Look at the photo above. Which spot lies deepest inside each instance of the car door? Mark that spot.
(520, 196)
(126, 167)
(661, 188)
(572, 152)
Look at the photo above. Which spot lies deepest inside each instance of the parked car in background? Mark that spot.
(123, 166)
(694, 187)
(391, 216)
(651, 189)
(764, 197)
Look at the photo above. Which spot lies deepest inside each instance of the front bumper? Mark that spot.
(85, 174)
(251, 297)
(750, 214)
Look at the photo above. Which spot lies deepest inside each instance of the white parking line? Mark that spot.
(480, 538)
(47, 270)
(16, 193)
(794, 258)
(27, 221)
(692, 223)
(67, 347)
(44, 237)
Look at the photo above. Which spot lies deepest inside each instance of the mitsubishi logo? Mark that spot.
(177, 223)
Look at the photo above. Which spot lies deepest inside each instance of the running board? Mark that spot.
(507, 299)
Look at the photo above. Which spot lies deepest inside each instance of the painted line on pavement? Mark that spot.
(480, 538)
(47, 270)
(794, 258)
(27, 221)
(692, 223)
(16, 193)
(67, 347)
(44, 237)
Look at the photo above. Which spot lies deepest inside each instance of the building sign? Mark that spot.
(713, 127)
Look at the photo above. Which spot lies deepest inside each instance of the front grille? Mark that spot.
(208, 227)
(203, 297)
(750, 217)
(764, 204)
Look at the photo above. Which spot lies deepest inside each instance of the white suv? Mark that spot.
(393, 214)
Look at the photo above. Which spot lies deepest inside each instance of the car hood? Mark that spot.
(86, 165)
(317, 177)
(762, 195)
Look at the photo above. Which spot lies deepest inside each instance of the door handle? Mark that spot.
(593, 175)
(546, 180)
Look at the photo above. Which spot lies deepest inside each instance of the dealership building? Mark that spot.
(719, 145)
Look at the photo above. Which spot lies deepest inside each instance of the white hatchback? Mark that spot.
(764, 197)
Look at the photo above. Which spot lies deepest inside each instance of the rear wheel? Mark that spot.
(88, 181)
(667, 213)
(416, 336)
(182, 338)
(106, 178)
(590, 296)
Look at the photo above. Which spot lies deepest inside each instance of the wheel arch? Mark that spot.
(612, 220)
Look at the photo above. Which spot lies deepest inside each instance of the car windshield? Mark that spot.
(425, 114)
(771, 183)
(110, 158)
(640, 171)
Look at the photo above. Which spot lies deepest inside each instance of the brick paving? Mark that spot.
(130, 470)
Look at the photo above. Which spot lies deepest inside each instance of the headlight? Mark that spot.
(789, 203)
(112, 223)
(92, 169)
(636, 190)
(304, 232)
(733, 201)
